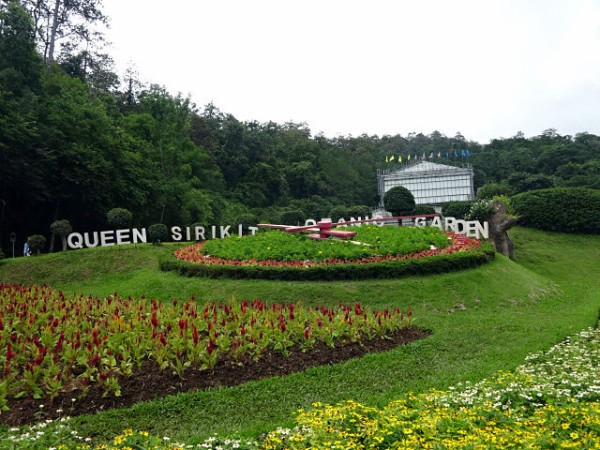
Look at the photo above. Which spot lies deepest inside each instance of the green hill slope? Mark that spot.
(483, 320)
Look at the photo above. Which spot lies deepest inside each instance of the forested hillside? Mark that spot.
(76, 140)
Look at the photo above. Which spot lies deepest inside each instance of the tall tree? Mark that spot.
(22, 173)
(59, 19)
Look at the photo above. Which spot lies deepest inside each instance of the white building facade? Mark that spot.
(430, 183)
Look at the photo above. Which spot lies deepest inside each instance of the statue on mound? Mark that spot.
(500, 223)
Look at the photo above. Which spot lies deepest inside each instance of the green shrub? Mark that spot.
(457, 209)
(423, 209)
(158, 233)
(36, 243)
(481, 210)
(119, 218)
(339, 212)
(62, 228)
(247, 220)
(1, 254)
(399, 201)
(293, 217)
(571, 210)
(522, 182)
(359, 211)
(491, 190)
(510, 209)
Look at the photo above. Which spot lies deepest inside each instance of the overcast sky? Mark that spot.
(487, 69)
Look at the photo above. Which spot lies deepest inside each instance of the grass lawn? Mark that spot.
(483, 320)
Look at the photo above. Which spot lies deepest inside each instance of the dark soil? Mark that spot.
(150, 382)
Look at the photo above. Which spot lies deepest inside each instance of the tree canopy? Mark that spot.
(76, 141)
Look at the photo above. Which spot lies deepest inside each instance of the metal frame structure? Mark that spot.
(430, 183)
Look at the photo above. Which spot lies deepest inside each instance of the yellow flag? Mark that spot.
(386, 159)
(408, 157)
(400, 159)
(392, 158)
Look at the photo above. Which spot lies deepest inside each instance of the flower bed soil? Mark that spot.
(150, 383)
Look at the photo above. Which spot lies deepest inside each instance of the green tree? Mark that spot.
(423, 209)
(399, 201)
(119, 218)
(61, 228)
(357, 211)
(158, 233)
(293, 217)
(457, 209)
(23, 161)
(36, 243)
(490, 190)
(339, 212)
(247, 220)
(58, 19)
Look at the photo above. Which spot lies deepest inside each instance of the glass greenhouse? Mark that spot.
(430, 183)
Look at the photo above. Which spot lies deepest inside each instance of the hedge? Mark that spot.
(457, 209)
(570, 210)
(352, 271)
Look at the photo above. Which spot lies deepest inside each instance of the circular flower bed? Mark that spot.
(305, 259)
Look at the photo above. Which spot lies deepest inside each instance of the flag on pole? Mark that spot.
(391, 158)
(408, 157)
(463, 153)
(455, 154)
(439, 154)
(431, 155)
(447, 154)
(400, 159)
(386, 159)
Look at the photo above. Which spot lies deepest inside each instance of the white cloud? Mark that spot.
(487, 69)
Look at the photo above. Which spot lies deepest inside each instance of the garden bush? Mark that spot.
(491, 190)
(456, 209)
(119, 218)
(523, 182)
(399, 201)
(36, 243)
(359, 211)
(481, 210)
(423, 209)
(570, 210)
(293, 217)
(247, 220)
(339, 212)
(61, 228)
(158, 233)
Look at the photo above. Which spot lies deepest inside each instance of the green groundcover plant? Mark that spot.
(281, 246)
(551, 401)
